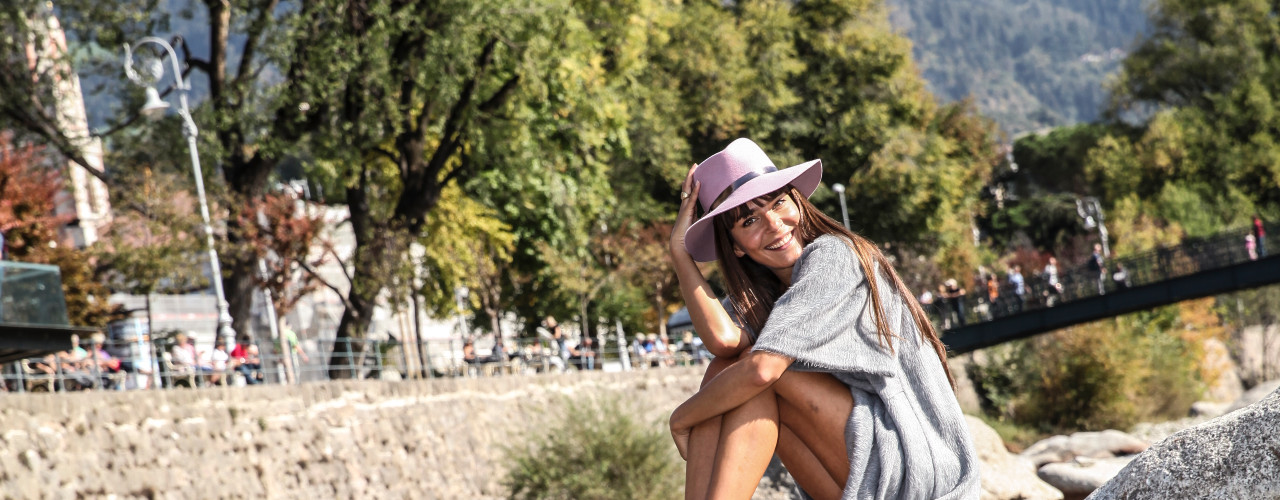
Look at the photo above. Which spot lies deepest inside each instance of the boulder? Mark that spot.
(1208, 409)
(1106, 444)
(1256, 349)
(1257, 393)
(1230, 457)
(1081, 476)
(966, 395)
(1005, 476)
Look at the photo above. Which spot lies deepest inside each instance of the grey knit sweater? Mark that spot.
(906, 435)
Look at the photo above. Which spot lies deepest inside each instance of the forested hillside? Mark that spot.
(1028, 64)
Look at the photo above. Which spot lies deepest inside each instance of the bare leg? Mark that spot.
(804, 467)
(748, 437)
(704, 440)
(803, 417)
(815, 408)
(728, 454)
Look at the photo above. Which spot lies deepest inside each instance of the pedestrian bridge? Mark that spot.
(1197, 268)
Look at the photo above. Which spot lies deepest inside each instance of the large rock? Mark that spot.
(1257, 353)
(966, 394)
(1081, 476)
(1255, 394)
(1005, 476)
(1231, 457)
(1105, 444)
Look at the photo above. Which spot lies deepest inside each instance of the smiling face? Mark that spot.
(766, 233)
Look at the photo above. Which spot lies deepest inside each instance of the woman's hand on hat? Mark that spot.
(686, 216)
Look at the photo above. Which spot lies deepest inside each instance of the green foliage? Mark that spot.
(1054, 161)
(597, 451)
(154, 245)
(1205, 68)
(1108, 374)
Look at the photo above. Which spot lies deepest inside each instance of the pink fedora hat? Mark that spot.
(740, 173)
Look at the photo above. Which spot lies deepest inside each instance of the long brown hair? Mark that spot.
(753, 288)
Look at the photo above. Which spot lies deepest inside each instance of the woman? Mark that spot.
(845, 379)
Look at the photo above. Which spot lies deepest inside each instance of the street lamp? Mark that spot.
(153, 70)
(1091, 212)
(844, 210)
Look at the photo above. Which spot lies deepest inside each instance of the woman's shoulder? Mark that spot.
(830, 246)
(830, 250)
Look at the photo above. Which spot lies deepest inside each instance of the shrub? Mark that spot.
(597, 451)
(1106, 374)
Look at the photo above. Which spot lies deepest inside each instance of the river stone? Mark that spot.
(1104, 444)
(1081, 476)
(1005, 476)
(1233, 456)
(1255, 394)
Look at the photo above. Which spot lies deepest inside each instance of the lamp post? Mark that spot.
(844, 210)
(1091, 212)
(153, 70)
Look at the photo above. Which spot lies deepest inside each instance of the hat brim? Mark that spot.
(699, 240)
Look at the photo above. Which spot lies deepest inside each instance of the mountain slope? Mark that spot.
(1028, 64)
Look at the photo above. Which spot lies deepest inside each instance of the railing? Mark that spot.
(1194, 255)
(129, 365)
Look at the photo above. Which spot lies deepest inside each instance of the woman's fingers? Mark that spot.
(685, 216)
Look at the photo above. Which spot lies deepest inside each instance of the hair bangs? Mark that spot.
(735, 214)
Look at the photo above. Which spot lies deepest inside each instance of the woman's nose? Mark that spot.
(774, 220)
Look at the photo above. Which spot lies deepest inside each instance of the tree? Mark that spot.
(281, 231)
(153, 245)
(1203, 77)
(402, 131)
(914, 170)
(251, 119)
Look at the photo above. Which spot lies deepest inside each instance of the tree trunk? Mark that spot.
(349, 343)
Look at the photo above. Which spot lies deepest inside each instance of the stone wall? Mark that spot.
(441, 438)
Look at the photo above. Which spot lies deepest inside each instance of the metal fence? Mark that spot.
(103, 364)
(1194, 255)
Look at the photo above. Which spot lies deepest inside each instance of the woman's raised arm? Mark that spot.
(721, 336)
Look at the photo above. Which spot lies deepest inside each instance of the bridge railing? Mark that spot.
(1194, 255)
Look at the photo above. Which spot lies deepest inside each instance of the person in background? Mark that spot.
(183, 354)
(218, 361)
(1098, 265)
(1054, 293)
(557, 334)
(469, 352)
(1120, 277)
(583, 355)
(993, 290)
(953, 294)
(1251, 246)
(1260, 235)
(246, 360)
(1019, 287)
(291, 338)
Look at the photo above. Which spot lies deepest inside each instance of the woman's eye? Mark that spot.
(781, 201)
(747, 221)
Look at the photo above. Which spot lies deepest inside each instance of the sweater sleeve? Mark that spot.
(825, 320)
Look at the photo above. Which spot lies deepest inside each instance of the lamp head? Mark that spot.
(155, 106)
(839, 188)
